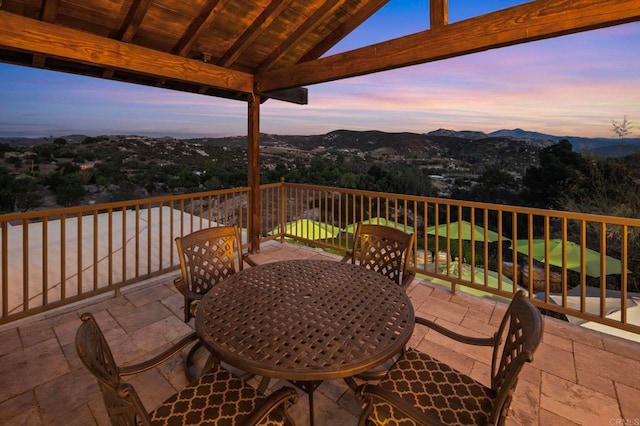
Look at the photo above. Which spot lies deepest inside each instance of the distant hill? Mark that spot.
(40, 141)
(464, 134)
(402, 142)
(603, 147)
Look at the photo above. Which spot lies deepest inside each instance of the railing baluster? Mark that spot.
(25, 265)
(79, 248)
(45, 261)
(63, 257)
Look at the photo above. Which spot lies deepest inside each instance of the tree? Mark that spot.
(562, 174)
(7, 191)
(493, 186)
(622, 129)
(69, 190)
(26, 197)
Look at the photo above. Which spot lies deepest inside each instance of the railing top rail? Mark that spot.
(611, 220)
(9, 217)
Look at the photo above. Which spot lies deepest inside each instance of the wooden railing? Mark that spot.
(52, 258)
(56, 257)
(598, 287)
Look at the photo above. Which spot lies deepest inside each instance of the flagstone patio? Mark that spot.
(578, 376)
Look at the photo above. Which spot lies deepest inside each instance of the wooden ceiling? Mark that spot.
(238, 48)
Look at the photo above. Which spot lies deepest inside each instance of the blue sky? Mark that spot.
(568, 86)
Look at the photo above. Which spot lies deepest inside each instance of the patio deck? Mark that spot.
(578, 376)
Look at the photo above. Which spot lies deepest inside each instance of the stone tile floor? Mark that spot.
(578, 376)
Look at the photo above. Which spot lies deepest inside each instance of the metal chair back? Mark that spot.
(383, 249)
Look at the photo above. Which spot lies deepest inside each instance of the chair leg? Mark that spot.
(211, 362)
(264, 383)
(189, 366)
(351, 382)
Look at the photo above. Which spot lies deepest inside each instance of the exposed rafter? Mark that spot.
(326, 10)
(519, 24)
(203, 19)
(253, 32)
(129, 26)
(332, 39)
(17, 32)
(132, 21)
(48, 12)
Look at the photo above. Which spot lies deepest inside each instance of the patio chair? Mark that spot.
(207, 256)
(420, 390)
(383, 249)
(216, 398)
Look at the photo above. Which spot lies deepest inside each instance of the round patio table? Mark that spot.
(305, 321)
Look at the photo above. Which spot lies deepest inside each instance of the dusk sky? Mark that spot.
(568, 86)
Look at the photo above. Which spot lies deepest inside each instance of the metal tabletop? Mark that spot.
(305, 320)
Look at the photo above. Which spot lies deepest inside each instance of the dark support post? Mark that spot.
(253, 157)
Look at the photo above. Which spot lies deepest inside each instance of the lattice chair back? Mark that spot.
(123, 404)
(517, 338)
(207, 257)
(383, 249)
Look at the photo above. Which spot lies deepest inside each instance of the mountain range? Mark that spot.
(604, 147)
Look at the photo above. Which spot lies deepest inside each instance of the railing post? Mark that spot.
(282, 214)
(253, 157)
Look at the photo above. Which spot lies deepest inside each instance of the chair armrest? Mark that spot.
(283, 397)
(182, 288)
(248, 260)
(477, 341)
(159, 359)
(180, 285)
(367, 392)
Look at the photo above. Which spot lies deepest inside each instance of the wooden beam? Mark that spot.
(30, 35)
(49, 10)
(358, 18)
(202, 20)
(256, 28)
(296, 95)
(129, 26)
(438, 13)
(519, 24)
(48, 13)
(132, 21)
(318, 17)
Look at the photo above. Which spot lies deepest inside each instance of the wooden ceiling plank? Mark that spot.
(519, 24)
(322, 13)
(49, 10)
(256, 28)
(132, 21)
(198, 25)
(358, 18)
(438, 13)
(20, 33)
(48, 13)
(129, 27)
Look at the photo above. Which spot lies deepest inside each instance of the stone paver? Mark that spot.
(578, 377)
